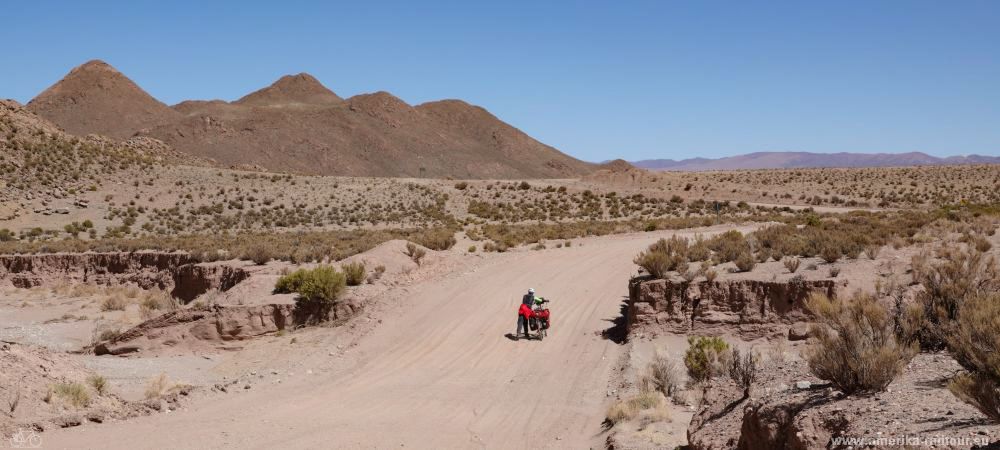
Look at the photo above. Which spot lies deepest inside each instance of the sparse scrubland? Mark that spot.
(918, 244)
(940, 296)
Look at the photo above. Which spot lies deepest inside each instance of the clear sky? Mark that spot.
(596, 79)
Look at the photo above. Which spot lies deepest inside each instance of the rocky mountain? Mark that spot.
(299, 125)
(790, 160)
(96, 98)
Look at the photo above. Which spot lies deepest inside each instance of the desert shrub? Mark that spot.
(699, 251)
(663, 256)
(461, 185)
(655, 264)
(157, 386)
(975, 344)
(791, 263)
(436, 239)
(830, 253)
(706, 357)
(744, 261)
(415, 253)
(834, 271)
(260, 254)
(322, 285)
(74, 393)
(99, 383)
(856, 347)
(113, 302)
(354, 273)
(472, 249)
(962, 274)
(663, 375)
(743, 370)
(318, 289)
(978, 390)
(871, 251)
(729, 246)
(710, 275)
(290, 283)
(627, 409)
(156, 300)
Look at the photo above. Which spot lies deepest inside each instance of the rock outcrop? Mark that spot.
(787, 411)
(750, 307)
(213, 327)
(178, 273)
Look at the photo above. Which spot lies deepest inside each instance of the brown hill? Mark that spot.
(298, 125)
(292, 89)
(96, 98)
(621, 173)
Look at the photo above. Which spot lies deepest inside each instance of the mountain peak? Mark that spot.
(94, 97)
(290, 89)
(94, 64)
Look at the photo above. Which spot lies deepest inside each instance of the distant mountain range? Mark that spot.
(298, 125)
(793, 160)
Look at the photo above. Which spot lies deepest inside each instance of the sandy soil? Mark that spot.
(437, 372)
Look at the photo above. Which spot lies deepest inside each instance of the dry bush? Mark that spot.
(830, 254)
(791, 263)
(113, 302)
(710, 275)
(663, 256)
(975, 344)
(744, 261)
(354, 273)
(158, 300)
(743, 370)
(627, 409)
(834, 271)
(963, 274)
(856, 347)
(260, 254)
(663, 375)
(729, 246)
(99, 383)
(73, 393)
(415, 253)
(871, 251)
(436, 239)
(14, 400)
(157, 386)
(706, 357)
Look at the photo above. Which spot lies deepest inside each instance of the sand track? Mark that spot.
(440, 375)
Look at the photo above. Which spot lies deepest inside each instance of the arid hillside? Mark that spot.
(299, 125)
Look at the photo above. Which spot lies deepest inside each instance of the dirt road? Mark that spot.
(440, 375)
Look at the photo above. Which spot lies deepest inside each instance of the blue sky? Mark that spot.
(596, 79)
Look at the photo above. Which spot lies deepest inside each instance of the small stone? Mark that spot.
(803, 384)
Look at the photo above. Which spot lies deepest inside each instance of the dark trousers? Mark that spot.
(522, 322)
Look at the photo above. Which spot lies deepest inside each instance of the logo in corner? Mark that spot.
(25, 439)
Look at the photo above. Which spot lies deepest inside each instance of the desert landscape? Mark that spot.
(298, 268)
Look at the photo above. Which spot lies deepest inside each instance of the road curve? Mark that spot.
(440, 375)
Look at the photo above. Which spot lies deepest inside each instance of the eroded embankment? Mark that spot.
(214, 327)
(750, 308)
(177, 273)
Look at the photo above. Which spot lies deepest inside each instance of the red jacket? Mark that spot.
(525, 311)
